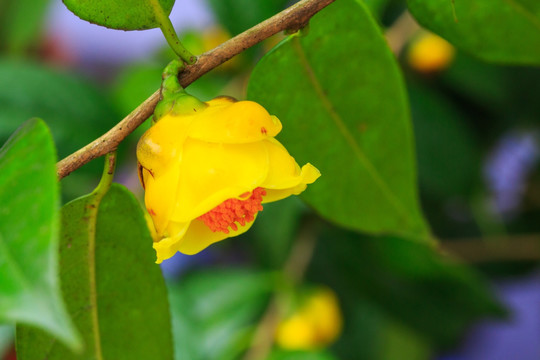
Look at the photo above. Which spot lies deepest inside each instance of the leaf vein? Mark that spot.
(92, 211)
(368, 165)
(525, 12)
(17, 271)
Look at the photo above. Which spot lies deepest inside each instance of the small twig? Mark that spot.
(506, 248)
(401, 31)
(292, 18)
(294, 270)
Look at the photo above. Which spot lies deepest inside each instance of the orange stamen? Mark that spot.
(232, 211)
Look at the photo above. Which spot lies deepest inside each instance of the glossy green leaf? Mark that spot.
(426, 292)
(118, 14)
(502, 31)
(29, 288)
(214, 312)
(340, 96)
(376, 7)
(114, 290)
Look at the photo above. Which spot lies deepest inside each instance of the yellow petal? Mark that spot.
(225, 121)
(159, 196)
(162, 144)
(211, 173)
(221, 100)
(296, 333)
(323, 311)
(283, 171)
(430, 53)
(308, 175)
(167, 247)
(159, 150)
(151, 226)
(198, 236)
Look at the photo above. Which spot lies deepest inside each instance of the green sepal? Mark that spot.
(174, 99)
(180, 103)
(170, 84)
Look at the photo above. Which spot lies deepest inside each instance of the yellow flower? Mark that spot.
(317, 323)
(208, 167)
(430, 53)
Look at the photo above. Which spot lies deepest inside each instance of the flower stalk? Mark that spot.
(106, 177)
(170, 34)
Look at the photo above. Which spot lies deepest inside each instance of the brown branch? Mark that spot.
(293, 18)
(514, 248)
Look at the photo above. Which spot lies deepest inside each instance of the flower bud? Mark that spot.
(316, 323)
(430, 53)
(207, 168)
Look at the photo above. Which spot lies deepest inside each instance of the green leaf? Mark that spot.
(448, 154)
(507, 93)
(76, 111)
(502, 31)
(377, 7)
(239, 15)
(118, 14)
(426, 292)
(373, 334)
(65, 101)
(134, 84)
(341, 98)
(113, 289)
(274, 232)
(213, 312)
(21, 23)
(29, 289)
(399, 342)
(300, 355)
(492, 86)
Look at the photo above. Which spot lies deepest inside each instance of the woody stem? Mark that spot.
(294, 18)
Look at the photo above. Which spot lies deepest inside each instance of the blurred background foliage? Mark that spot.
(477, 150)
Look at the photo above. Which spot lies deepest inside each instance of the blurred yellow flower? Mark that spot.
(208, 167)
(430, 53)
(315, 324)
